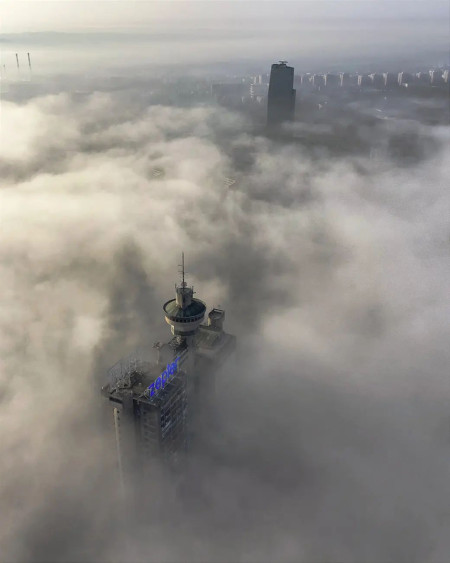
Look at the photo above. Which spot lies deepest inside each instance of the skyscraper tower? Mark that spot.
(281, 97)
(154, 399)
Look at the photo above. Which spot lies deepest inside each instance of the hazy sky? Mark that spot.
(59, 15)
(310, 35)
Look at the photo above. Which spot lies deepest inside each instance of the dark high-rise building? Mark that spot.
(155, 394)
(281, 97)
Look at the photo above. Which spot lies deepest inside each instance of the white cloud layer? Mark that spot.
(331, 439)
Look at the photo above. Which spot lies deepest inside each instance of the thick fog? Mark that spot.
(330, 438)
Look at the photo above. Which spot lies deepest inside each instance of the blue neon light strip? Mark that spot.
(164, 378)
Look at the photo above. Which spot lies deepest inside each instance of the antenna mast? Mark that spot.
(182, 268)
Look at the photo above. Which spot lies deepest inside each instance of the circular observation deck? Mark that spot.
(184, 321)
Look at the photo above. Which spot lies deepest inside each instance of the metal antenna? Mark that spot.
(181, 270)
(17, 60)
(29, 60)
(182, 266)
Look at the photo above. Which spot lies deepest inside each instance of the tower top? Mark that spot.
(184, 293)
(184, 313)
